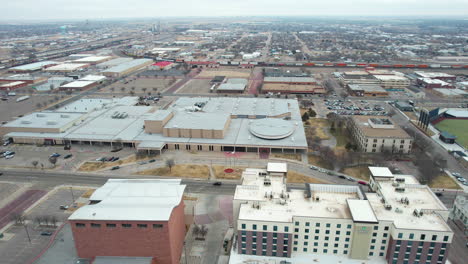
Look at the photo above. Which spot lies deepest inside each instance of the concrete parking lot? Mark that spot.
(195, 86)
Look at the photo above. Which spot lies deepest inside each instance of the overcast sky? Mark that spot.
(99, 9)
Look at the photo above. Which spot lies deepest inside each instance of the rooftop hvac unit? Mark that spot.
(40, 115)
(388, 206)
(25, 122)
(50, 123)
(64, 116)
(400, 179)
(399, 189)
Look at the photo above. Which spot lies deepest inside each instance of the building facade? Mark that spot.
(459, 213)
(339, 220)
(153, 227)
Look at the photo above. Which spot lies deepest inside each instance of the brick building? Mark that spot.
(132, 218)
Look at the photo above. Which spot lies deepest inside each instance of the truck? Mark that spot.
(22, 98)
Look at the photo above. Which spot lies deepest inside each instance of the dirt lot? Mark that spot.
(182, 171)
(196, 86)
(230, 72)
(316, 127)
(220, 174)
(140, 86)
(11, 109)
(99, 165)
(286, 156)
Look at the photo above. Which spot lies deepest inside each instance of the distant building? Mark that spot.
(366, 90)
(400, 221)
(132, 218)
(436, 75)
(378, 134)
(291, 84)
(36, 66)
(233, 85)
(161, 65)
(10, 86)
(126, 67)
(448, 138)
(393, 82)
(451, 93)
(27, 78)
(404, 106)
(67, 67)
(78, 85)
(429, 83)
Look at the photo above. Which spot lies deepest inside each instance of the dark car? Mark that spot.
(439, 194)
(151, 161)
(342, 177)
(68, 156)
(1, 173)
(46, 233)
(115, 168)
(217, 183)
(116, 150)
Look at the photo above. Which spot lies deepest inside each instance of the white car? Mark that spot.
(456, 174)
(9, 156)
(313, 167)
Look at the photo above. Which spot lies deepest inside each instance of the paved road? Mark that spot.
(458, 253)
(18, 205)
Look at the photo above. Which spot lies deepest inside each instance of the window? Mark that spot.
(327, 232)
(346, 245)
(371, 253)
(307, 224)
(328, 225)
(295, 248)
(346, 239)
(305, 249)
(423, 236)
(411, 236)
(286, 236)
(244, 239)
(243, 251)
(176, 146)
(384, 241)
(94, 225)
(243, 226)
(243, 233)
(335, 245)
(325, 251)
(199, 147)
(275, 228)
(372, 247)
(373, 241)
(400, 235)
(386, 228)
(315, 250)
(348, 233)
(374, 234)
(307, 230)
(296, 230)
(296, 236)
(111, 225)
(295, 243)
(80, 225)
(337, 239)
(126, 225)
(210, 148)
(326, 238)
(385, 235)
(376, 227)
(275, 235)
(254, 252)
(325, 244)
(254, 240)
(264, 240)
(349, 226)
(142, 225)
(296, 223)
(306, 237)
(337, 232)
(382, 248)
(434, 237)
(338, 226)
(317, 231)
(187, 147)
(254, 227)
(345, 251)
(306, 243)
(316, 237)
(446, 238)
(335, 251)
(264, 227)
(315, 244)
(157, 226)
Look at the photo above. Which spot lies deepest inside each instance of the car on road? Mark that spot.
(151, 161)
(1, 173)
(465, 183)
(217, 183)
(350, 179)
(142, 163)
(55, 155)
(64, 207)
(68, 156)
(460, 179)
(46, 233)
(341, 176)
(101, 159)
(115, 168)
(313, 167)
(9, 156)
(439, 194)
(456, 174)
(362, 182)
(116, 150)
(8, 153)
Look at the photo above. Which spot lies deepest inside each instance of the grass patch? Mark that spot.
(287, 156)
(180, 170)
(361, 172)
(320, 162)
(341, 137)
(220, 174)
(317, 128)
(99, 165)
(456, 127)
(295, 177)
(88, 193)
(444, 181)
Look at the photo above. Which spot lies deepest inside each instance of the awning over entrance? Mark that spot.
(151, 145)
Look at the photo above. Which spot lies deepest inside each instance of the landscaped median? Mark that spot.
(100, 165)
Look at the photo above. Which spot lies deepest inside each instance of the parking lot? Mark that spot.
(25, 155)
(139, 86)
(348, 107)
(195, 86)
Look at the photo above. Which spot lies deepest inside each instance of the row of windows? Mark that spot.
(264, 234)
(328, 225)
(418, 258)
(199, 147)
(264, 253)
(108, 225)
(418, 254)
(420, 244)
(422, 237)
(327, 238)
(315, 250)
(264, 247)
(265, 227)
(316, 244)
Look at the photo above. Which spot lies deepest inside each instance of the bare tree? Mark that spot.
(18, 218)
(35, 163)
(170, 163)
(195, 230)
(427, 169)
(203, 231)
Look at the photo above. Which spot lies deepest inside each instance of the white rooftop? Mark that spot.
(95, 78)
(92, 59)
(380, 172)
(33, 66)
(390, 78)
(10, 84)
(433, 74)
(77, 84)
(128, 65)
(277, 167)
(361, 211)
(67, 67)
(140, 199)
(45, 120)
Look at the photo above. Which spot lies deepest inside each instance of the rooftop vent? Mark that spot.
(64, 116)
(51, 123)
(25, 122)
(40, 115)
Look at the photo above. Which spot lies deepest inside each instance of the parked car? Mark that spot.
(116, 150)
(342, 177)
(151, 161)
(313, 167)
(55, 155)
(9, 156)
(115, 168)
(142, 162)
(64, 207)
(217, 183)
(439, 194)
(350, 179)
(362, 182)
(68, 156)
(456, 174)
(101, 159)
(46, 233)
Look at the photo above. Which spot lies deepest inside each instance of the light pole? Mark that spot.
(73, 197)
(27, 232)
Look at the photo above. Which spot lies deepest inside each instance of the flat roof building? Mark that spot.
(78, 85)
(291, 84)
(113, 62)
(273, 221)
(67, 67)
(380, 134)
(393, 82)
(233, 85)
(12, 85)
(93, 59)
(152, 225)
(127, 67)
(366, 90)
(436, 75)
(36, 66)
(259, 125)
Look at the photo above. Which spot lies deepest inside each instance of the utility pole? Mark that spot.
(27, 232)
(73, 197)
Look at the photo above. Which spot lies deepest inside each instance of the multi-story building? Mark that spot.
(132, 218)
(379, 134)
(459, 213)
(393, 82)
(401, 222)
(436, 75)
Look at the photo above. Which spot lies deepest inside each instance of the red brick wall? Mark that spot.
(164, 244)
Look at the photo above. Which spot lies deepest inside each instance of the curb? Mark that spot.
(51, 241)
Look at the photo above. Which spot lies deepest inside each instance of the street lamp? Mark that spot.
(73, 197)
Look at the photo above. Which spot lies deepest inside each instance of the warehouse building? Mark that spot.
(429, 83)
(127, 67)
(27, 78)
(67, 67)
(437, 75)
(377, 134)
(93, 59)
(295, 85)
(366, 90)
(233, 85)
(113, 62)
(52, 83)
(36, 66)
(393, 82)
(451, 93)
(153, 226)
(78, 86)
(260, 125)
(404, 106)
(357, 77)
(400, 221)
(10, 86)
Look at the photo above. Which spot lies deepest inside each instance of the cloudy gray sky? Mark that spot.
(97, 9)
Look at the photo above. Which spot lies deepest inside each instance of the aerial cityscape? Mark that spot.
(234, 132)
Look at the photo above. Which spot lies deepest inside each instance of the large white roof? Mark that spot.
(380, 172)
(361, 211)
(133, 200)
(277, 167)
